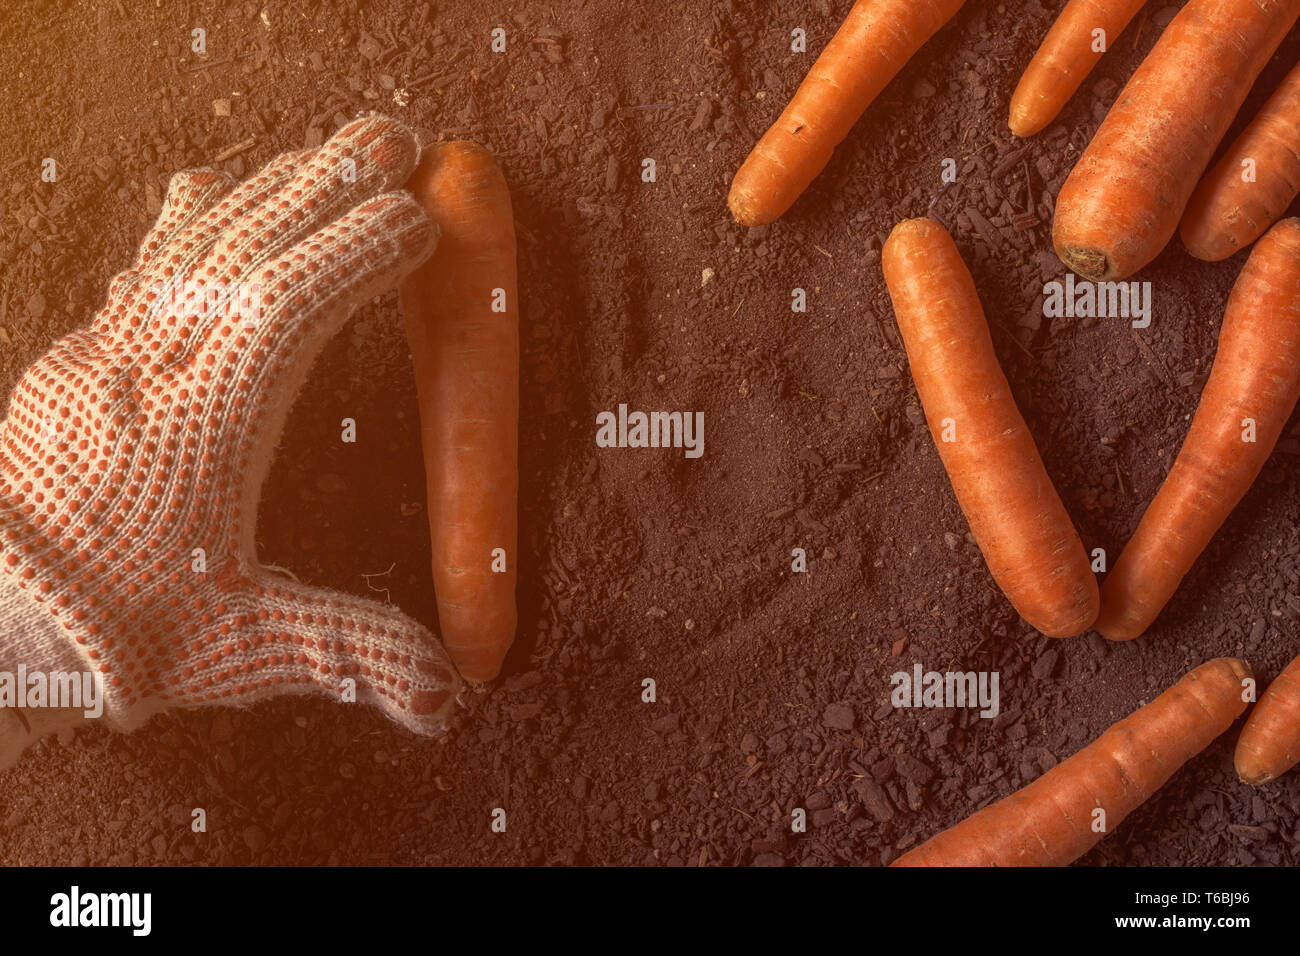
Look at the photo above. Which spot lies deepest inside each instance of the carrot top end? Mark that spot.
(1089, 263)
(1254, 779)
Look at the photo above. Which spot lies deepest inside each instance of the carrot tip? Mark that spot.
(1022, 127)
(741, 211)
(1111, 625)
(1207, 250)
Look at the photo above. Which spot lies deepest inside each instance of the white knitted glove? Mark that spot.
(147, 436)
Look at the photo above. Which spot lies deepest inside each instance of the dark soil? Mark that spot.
(772, 686)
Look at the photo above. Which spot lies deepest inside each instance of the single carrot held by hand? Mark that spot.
(1269, 745)
(1252, 388)
(1075, 44)
(462, 319)
(1252, 184)
(1122, 201)
(1068, 810)
(1015, 514)
(877, 38)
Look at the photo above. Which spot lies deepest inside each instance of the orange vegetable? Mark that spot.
(1227, 212)
(1122, 201)
(1252, 388)
(876, 40)
(1055, 820)
(1269, 745)
(1067, 55)
(1031, 547)
(462, 319)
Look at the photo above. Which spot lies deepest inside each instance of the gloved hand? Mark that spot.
(145, 437)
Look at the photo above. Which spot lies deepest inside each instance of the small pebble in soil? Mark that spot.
(818, 800)
(838, 717)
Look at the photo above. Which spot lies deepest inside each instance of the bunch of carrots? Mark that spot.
(1036, 557)
(1139, 181)
(1142, 178)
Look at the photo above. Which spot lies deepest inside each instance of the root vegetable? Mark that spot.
(462, 319)
(1251, 391)
(1015, 514)
(1122, 202)
(1055, 820)
(1228, 212)
(1269, 745)
(1067, 55)
(877, 38)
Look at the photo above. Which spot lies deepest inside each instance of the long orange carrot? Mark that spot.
(1031, 547)
(876, 40)
(1269, 745)
(1252, 184)
(1066, 812)
(1121, 203)
(462, 319)
(1252, 388)
(1068, 53)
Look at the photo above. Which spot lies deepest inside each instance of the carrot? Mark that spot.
(1055, 820)
(1031, 547)
(1067, 55)
(876, 39)
(466, 356)
(1269, 745)
(1252, 388)
(1228, 212)
(1122, 201)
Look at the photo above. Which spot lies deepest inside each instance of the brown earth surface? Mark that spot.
(772, 686)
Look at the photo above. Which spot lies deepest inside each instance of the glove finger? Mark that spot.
(166, 296)
(190, 192)
(367, 157)
(192, 241)
(309, 291)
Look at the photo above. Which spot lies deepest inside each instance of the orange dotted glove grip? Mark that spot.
(147, 436)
